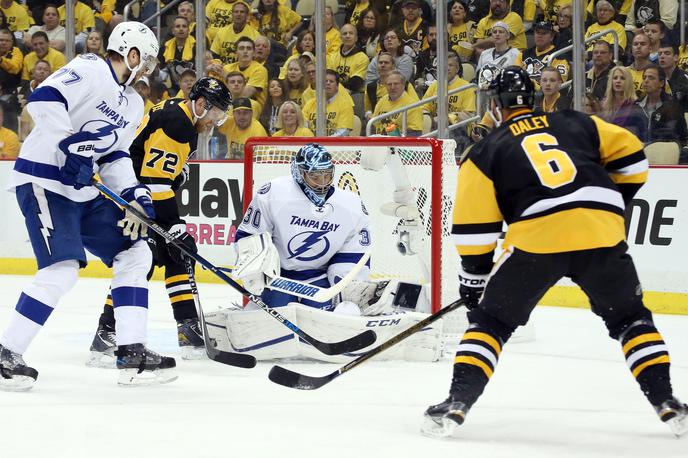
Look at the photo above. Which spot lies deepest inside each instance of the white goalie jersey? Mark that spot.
(313, 242)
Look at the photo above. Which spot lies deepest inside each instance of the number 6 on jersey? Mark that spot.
(553, 166)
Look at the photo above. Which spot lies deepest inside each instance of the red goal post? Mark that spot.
(431, 168)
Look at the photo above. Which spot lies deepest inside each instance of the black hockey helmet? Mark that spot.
(214, 91)
(512, 88)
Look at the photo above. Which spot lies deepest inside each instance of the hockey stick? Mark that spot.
(313, 292)
(233, 359)
(354, 343)
(291, 379)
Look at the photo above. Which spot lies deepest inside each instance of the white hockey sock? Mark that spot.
(37, 302)
(130, 294)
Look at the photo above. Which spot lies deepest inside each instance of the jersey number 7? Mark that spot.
(169, 165)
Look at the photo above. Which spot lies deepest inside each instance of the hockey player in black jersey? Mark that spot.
(165, 141)
(561, 181)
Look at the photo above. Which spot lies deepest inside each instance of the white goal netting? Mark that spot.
(431, 169)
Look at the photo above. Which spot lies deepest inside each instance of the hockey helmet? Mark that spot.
(135, 35)
(512, 88)
(216, 95)
(313, 169)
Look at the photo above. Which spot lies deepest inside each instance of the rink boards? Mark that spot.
(211, 204)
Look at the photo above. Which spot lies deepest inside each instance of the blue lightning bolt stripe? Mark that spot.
(308, 242)
(112, 157)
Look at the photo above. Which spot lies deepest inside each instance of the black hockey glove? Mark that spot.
(183, 237)
(471, 287)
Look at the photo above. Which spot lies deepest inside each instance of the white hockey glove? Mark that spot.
(373, 298)
(257, 261)
(140, 198)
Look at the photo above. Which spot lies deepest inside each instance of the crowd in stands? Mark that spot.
(381, 55)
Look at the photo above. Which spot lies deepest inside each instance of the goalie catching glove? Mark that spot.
(373, 298)
(471, 287)
(257, 261)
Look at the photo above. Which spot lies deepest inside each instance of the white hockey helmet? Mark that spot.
(128, 35)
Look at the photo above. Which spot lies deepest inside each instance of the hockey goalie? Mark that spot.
(302, 230)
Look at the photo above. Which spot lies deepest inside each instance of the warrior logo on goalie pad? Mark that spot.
(313, 243)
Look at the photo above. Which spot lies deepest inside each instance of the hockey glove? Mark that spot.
(471, 287)
(182, 178)
(184, 238)
(77, 170)
(140, 198)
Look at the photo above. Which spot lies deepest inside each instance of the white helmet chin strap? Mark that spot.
(193, 110)
(133, 71)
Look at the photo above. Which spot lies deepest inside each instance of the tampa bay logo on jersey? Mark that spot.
(107, 133)
(308, 246)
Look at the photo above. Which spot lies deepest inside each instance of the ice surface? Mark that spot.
(568, 394)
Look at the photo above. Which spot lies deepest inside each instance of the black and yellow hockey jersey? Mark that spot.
(559, 180)
(164, 141)
(533, 61)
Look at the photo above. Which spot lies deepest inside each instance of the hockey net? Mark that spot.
(431, 169)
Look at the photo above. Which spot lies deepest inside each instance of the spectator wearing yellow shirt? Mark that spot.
(605, 20)
(683, 58)
(305, 43)
(40, 72)
(275, 21)
(16, 15)
(186, 81)
(51, 26)
(240, 127)
(397, 98)
(641, 60)
(500, 12)
(256, 75)
(106, 10)
(236, 83)
(297, 81)
(350, 62)
(462, 104)
(142, 86)
(187, 10)
(290, 121)
(179, 52)
(219, 14)
(460, 29)
(11, 61)
(41, 51)
(224, 43)
(354, 11)
(339, 116)
(332, 39)
(84, 21)
(376, 89)
(9, 142)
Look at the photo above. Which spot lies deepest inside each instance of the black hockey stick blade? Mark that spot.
(224, 357)
(291, 379)
(362, 340)
(232, 359)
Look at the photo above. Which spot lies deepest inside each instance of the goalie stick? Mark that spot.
(233, 359)
(292, 379)
(354, 343)
(313, 292)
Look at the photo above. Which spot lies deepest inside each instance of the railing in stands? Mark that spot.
(403, 110)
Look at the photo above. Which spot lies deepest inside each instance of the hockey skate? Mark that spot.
(675, 414)
(190, 339)
(139, 366)
(15, 375)
(441, 420)
(103, 348)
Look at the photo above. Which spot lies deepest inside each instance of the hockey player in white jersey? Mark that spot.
(86, 116)
(304, 227)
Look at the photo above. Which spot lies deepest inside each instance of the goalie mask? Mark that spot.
(313, 170)
(511, 88)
